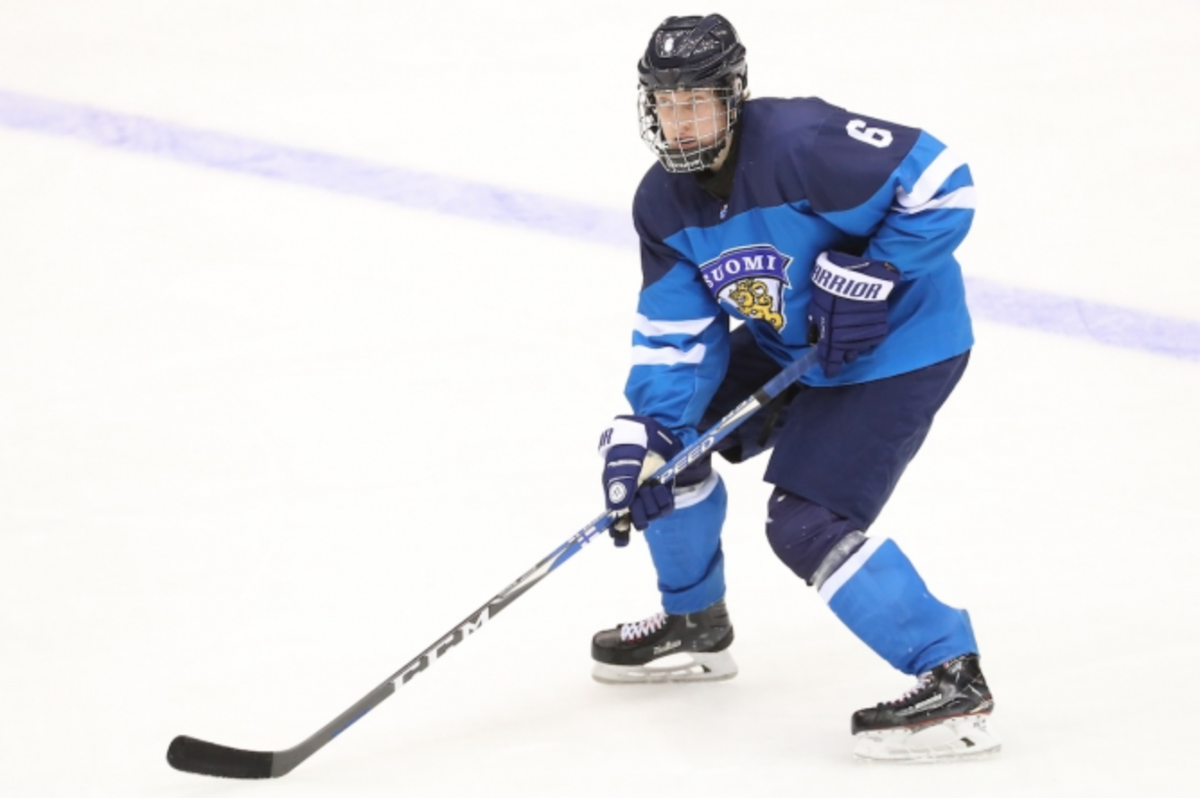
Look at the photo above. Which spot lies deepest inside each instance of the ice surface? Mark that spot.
(262, 442)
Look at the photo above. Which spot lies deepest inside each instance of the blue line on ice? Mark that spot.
(1107, 324)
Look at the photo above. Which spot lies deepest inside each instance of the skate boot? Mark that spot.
(943, 716)
(666, 648)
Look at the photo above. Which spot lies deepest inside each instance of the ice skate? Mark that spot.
(943, 716)
(667, 648)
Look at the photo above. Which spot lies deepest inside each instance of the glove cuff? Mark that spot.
(641, 431)
(849, 281)
(623, 431)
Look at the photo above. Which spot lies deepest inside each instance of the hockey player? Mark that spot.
(806, 223)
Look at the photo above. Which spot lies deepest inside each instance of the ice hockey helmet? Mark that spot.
(686, 54)
(693, 52)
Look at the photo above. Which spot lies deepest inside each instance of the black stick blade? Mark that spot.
(197, 756)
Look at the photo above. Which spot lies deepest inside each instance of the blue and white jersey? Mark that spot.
(809, 177)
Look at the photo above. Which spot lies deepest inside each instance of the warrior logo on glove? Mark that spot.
(848, 312)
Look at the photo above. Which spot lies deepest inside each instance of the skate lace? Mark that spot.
(633, 631)
(923, 681)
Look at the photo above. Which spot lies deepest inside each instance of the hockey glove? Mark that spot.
(848, 312)
(633, 448)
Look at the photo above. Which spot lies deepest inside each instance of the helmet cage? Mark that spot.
(688, 128)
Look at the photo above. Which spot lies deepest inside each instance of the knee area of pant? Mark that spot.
(803, 534)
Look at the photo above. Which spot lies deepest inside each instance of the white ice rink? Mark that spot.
(310, 314)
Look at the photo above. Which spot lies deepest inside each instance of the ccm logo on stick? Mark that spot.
(442, 646)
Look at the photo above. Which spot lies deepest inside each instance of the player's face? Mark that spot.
(690, 120)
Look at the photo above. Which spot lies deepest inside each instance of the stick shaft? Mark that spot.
(197, 756)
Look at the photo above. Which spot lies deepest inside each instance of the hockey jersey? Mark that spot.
(809, 177)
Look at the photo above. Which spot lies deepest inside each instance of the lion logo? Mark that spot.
(754, 301)
(750, 281)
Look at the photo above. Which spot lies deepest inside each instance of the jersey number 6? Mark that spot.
(875, 136)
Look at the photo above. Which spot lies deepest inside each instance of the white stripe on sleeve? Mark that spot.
(667, 355)
(652, 327)
(930, 180)
(959, 198)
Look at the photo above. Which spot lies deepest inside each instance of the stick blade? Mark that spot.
(209, 759)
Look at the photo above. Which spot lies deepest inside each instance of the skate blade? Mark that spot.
(953, 739)
(693, 667)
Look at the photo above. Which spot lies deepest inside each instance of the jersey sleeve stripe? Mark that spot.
(959, 198)
(931, 180)
(667, 355)
(652, 328)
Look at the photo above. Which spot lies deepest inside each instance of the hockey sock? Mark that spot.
(686, 548)
(880, 596)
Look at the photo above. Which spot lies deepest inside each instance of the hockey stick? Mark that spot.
(197, 756)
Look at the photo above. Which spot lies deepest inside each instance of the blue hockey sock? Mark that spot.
(686, 548)
(880, 596)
